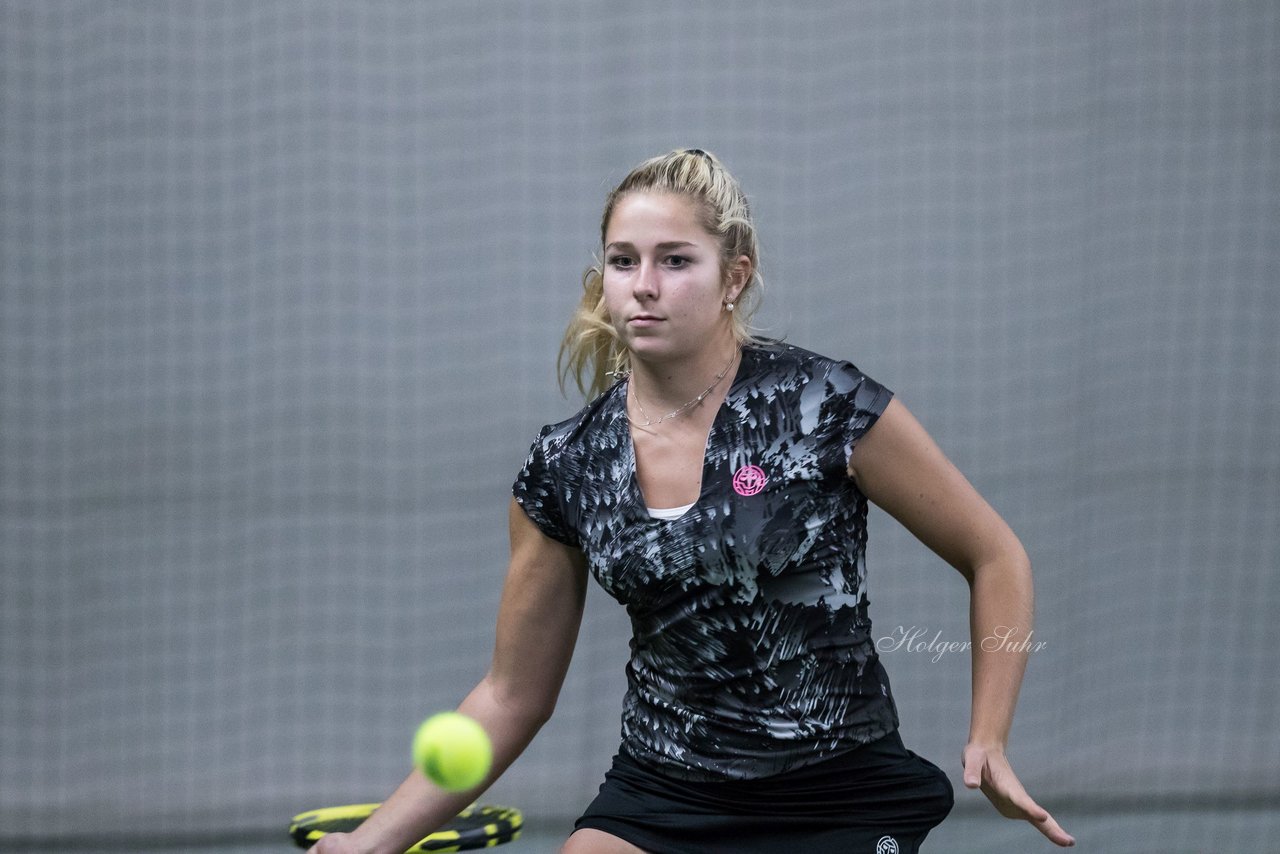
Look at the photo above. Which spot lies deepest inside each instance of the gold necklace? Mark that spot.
(649, 422)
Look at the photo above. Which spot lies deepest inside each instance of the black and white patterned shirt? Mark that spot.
(752, 651)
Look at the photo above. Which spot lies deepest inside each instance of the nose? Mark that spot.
(645, 284)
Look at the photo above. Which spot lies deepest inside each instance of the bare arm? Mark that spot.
(538, 624)
(900, 468)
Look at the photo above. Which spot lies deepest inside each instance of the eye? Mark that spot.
(622, 262)
(678, 261)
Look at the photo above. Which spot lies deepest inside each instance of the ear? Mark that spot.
(739, 273)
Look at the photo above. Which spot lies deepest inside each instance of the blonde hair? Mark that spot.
(591, 349)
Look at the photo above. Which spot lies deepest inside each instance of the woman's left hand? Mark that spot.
(986, 767)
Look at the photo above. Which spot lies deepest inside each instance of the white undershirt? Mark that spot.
(667, 514)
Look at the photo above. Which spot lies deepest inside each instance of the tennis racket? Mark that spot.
(475, 827)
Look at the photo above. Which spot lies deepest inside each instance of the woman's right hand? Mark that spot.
(538, 621)
(337, 843)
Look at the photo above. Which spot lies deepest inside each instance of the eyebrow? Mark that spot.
(670, 244)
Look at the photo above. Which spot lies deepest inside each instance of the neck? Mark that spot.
(669, 384)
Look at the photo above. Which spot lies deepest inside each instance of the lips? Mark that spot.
(645, 319)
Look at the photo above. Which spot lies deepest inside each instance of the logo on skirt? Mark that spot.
(886, 845)
(749, 480)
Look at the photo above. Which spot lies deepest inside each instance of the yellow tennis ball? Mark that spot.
(453, 751)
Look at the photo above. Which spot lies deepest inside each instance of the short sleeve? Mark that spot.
(536, 490)
(856, 403)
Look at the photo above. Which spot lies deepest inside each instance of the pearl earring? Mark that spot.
(728, 306)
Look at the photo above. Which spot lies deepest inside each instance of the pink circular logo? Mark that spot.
(749, 480)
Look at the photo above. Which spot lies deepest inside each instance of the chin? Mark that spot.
(661, 353)
(650, 345)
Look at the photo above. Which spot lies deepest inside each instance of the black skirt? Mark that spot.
(879, 798)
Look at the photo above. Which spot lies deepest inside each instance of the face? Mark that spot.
(663, 285)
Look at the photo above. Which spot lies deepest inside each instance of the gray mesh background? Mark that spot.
(282, 286)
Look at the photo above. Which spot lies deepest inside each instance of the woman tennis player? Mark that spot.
(717, 486)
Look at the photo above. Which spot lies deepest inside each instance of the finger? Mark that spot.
(1006, 793)
(1022, 802)
(1039, 817)
(972, 768)
(1012, 799)
(1050, 828)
